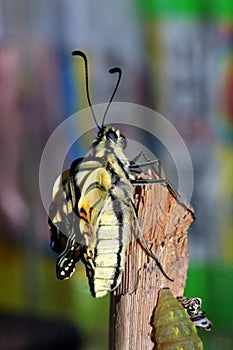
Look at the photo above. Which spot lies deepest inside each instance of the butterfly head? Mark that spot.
(111, 136)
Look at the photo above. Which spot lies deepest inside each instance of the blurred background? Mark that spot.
(177, 58)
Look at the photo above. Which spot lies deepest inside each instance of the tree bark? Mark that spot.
(164, 221)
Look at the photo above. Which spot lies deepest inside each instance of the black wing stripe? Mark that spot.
(119, 215)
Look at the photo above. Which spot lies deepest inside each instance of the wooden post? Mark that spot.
(164, 221)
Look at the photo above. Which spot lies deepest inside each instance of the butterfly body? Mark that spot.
(95, 197)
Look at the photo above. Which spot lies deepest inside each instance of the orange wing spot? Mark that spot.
(85, 208)
(83, 215)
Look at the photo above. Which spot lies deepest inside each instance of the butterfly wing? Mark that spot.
(64, 226)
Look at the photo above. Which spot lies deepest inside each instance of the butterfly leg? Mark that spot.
(136, 167)
(145, 245)
(162, 181)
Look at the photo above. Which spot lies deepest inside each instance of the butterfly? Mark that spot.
(92, 207)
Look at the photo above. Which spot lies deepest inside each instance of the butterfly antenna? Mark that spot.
(82, 54)
(112, 71)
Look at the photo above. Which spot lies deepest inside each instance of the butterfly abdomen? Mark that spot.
(112, 236)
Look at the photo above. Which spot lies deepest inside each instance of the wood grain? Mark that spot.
(164, 221)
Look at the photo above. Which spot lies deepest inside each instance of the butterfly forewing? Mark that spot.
(63, 226)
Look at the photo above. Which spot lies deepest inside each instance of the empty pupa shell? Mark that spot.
(173, 328)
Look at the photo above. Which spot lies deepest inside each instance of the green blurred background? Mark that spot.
(177, 57)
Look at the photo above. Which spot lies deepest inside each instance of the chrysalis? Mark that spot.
(173, 328)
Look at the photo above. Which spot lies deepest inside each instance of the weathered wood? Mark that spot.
(164, 222)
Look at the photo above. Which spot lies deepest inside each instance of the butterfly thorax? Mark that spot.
(108, 148)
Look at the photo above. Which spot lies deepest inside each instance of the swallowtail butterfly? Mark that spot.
(92, 208)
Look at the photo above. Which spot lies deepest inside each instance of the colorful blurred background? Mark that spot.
(177, 58)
